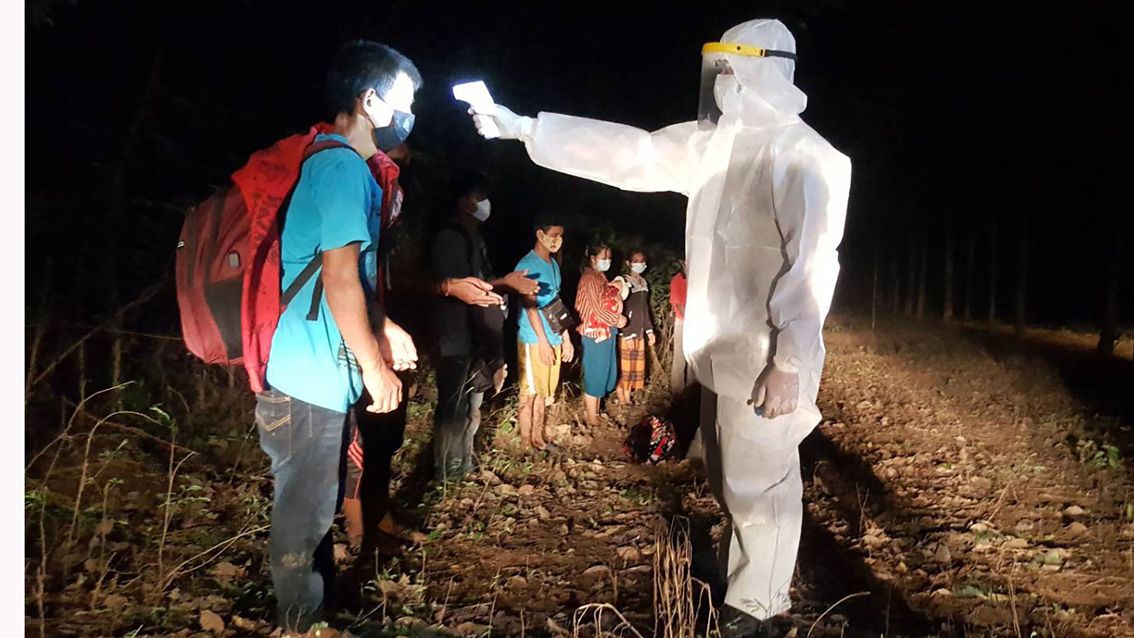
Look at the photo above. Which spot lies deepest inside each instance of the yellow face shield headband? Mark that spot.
(743, 49)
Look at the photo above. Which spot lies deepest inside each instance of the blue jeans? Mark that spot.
(304, 443)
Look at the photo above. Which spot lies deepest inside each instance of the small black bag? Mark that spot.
(559, 316)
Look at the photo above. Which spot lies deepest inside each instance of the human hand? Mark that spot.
(521, 283)
(472, 291)
(384, 386)
(568, 349)
(546, 354)
(775, 393)
(512, 126)
(397, 347)
(498, 379)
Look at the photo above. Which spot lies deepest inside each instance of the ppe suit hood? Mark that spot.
(768, 82)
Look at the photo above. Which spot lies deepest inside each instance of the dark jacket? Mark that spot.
(637, 309)
(463, 330)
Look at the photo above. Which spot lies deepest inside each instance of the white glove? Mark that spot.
(776, 392)
(512, 126)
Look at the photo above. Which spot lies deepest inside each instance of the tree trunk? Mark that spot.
(116, 364)
(202, 387)
(911, 278)
(41, 321)
(895, 286)
(1022, 279)
(874, 289)
(82, 357)
(947, 314)
(922, 279)
(992, 271)
(970, 275)
(33, 355)
(1108, 332)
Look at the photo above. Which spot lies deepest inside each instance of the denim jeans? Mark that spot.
(304, 442)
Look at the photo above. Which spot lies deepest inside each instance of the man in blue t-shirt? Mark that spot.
(541, 351)
(325, 350)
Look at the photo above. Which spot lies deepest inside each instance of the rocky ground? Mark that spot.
(961, 484)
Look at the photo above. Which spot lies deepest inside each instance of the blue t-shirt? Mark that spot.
(550, 282)
(335, 203)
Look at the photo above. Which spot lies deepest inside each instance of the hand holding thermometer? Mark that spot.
(477, 96)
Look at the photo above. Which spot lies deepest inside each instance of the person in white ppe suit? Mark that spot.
(767, 203)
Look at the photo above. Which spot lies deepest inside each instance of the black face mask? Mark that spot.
(395, 133)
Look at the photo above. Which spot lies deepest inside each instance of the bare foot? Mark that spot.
(550, 447)
(352, 513)
(390, 526)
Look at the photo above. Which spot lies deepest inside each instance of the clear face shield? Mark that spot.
(718, 79)
(713, 66)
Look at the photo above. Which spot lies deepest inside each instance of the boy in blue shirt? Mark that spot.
(541, 351)
(325, 351)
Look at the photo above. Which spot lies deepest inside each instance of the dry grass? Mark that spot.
(677, 595)
(606, 620)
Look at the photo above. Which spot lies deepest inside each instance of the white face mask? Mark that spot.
(638, 267)
(552, 244)
(602, 265)
(483, 210)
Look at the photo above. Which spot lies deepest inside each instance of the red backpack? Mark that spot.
(228, 260)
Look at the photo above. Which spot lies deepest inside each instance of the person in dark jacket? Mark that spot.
(470, 338)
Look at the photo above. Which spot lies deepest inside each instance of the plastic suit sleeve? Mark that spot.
(615, 154)
(810, 196)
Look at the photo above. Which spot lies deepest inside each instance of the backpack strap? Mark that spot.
(316, 262)
(316, 296)
(304, 277)
(317, 147)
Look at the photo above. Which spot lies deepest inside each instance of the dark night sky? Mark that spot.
(952, 114)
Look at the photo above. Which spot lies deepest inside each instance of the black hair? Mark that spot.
(546, 219)
(360, 65)
(467, 183)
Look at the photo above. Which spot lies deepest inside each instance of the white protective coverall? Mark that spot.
(767, 202)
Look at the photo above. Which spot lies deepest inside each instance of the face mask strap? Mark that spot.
(362, 96)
